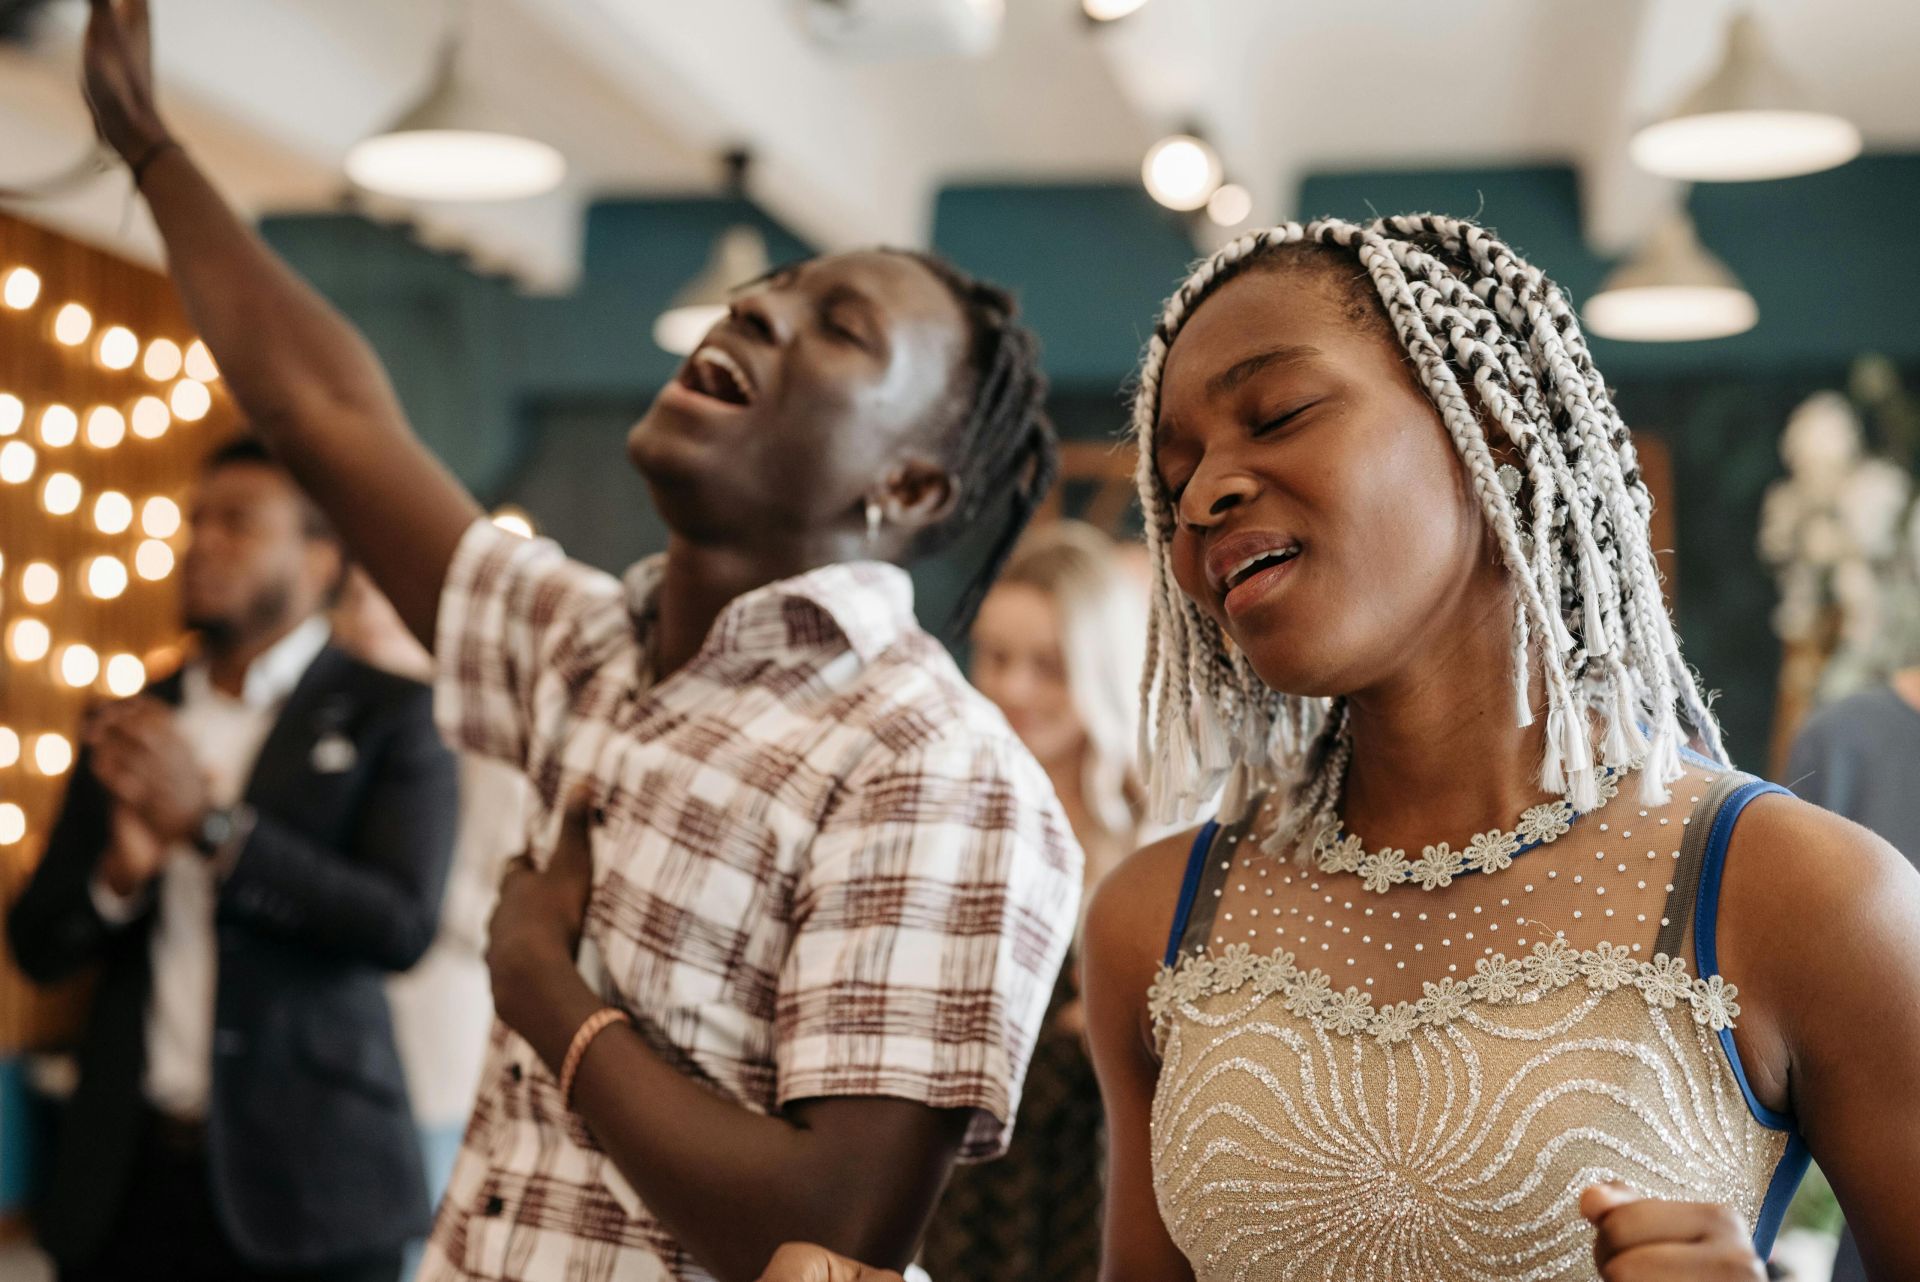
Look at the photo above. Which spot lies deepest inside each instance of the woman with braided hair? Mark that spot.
(1488, 966)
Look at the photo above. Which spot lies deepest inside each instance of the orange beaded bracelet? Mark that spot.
(590, 1028)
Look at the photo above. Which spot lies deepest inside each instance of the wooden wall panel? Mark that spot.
(35, 700)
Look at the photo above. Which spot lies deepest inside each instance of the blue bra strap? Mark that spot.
(1706, 910)
(1189, 888)
(1780, 1190)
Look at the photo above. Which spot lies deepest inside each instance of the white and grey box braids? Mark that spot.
(1495, 344)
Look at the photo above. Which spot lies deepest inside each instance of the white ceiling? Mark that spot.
(643, 95)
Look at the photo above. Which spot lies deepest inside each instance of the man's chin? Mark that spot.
(662, 448)
(211, 627)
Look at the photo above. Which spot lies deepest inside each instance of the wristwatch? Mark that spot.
(216, 829)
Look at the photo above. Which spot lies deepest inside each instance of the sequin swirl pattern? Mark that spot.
(1455, 1149)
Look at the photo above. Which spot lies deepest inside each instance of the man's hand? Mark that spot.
(1643, 1239)
(535, 932)
(134, 854)
(142, 759)
(118, 78)
(802, 1262)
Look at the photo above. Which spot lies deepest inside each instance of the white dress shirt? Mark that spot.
(225, 735)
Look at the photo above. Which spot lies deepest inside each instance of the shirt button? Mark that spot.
(494, 1206)
(515, 1072)
(599, 816)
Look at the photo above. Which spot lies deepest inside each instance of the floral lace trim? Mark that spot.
(1491, 851)
(1496, 981)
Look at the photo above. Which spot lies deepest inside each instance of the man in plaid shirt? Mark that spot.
(795, 896)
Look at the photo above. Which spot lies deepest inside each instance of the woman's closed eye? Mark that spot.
(1271, 425)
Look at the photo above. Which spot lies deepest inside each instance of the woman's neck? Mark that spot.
(1437, 755)
(1068, 773)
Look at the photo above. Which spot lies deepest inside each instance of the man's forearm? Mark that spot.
(313, 388)
(732, 1184)
(284, 352)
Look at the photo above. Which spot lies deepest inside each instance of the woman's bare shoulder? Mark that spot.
(1131, 913)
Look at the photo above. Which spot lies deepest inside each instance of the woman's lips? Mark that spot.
(1257, 587)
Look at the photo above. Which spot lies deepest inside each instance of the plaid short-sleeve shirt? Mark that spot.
(823, 866)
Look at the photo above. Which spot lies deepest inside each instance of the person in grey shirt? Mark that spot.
(1860, 757)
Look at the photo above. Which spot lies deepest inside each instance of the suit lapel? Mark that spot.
(318, 707)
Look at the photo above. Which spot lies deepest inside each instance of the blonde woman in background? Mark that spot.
(1057, 646)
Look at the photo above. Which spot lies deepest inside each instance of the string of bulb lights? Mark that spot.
(47, 446)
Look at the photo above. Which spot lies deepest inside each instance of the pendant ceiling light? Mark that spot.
(1747, 121)
(1181, 171)
(439, 150)
(739, 255)
(1671, 290)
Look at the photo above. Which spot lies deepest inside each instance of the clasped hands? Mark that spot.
(161, 795)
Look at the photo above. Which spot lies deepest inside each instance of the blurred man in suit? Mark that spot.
(246, 850)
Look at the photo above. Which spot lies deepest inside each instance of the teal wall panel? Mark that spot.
(1091, 263)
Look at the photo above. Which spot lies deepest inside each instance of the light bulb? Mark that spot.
(112, 512)
(52, 754)
(190, 400)
(160, 517)
(59, 426)
(1110, 10)
(1230, 205)
(12, 413)
(29, 639)
(13, 823)
(153, 560)
(72, 324)
(163, 360)
(9, 748)
(199, 362)
(151, 418)
(106, 427)
(21, 289)
(126, 675)
(106, 577)
(39, 583)
(61, 494)
(1181, 172)
(79, 666)
(119, 348)
(17, 461)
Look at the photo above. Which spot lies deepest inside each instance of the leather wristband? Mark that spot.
(590, 1028)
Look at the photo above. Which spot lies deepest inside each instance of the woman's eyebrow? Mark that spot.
(1240, 371)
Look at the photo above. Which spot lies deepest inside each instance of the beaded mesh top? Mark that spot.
(1416, 1080)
